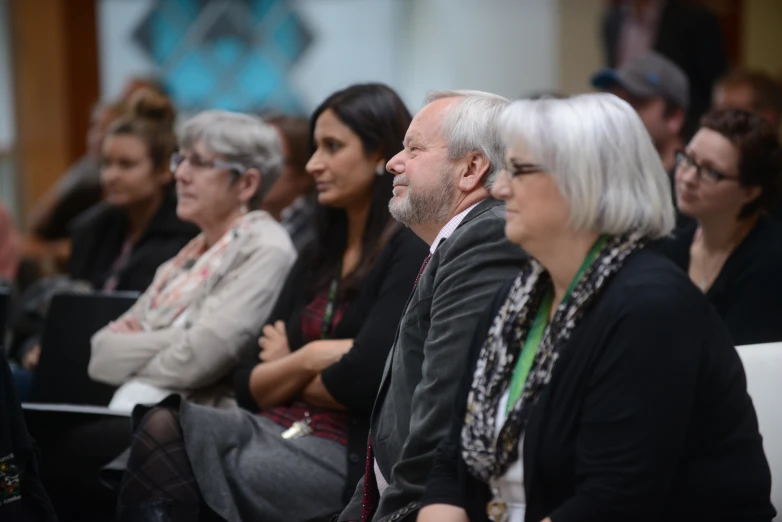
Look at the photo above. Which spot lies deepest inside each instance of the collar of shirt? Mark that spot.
(449, 227)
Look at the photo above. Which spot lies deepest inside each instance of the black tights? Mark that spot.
(159, 474)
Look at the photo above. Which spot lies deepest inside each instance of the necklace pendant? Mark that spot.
(497, 511)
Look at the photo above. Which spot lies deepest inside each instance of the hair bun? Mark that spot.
(149, 104)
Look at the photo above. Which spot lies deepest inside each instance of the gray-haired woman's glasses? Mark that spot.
(522, 169)
(197, 162)
(708, 174)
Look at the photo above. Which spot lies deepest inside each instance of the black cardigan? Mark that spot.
(748, 290)
(646, 417)
(98, 234)
(370, 319)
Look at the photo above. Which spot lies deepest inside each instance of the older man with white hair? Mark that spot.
(452, 155)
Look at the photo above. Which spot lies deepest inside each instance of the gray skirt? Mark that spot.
(247, 471)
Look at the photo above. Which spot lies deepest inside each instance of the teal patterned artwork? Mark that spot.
(227, 54)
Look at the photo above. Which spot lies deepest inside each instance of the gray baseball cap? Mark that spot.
(647, 75)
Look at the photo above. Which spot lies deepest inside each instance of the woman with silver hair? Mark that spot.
(601, 385)
(185, 332)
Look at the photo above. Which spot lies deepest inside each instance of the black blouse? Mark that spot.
(97, 237)
(646, 417)
(370, 318)
(747, 293)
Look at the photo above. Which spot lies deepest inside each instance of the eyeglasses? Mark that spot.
(522, 169)
(198, 163)
(685, 161)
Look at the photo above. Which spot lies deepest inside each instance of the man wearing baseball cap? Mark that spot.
(659, 92)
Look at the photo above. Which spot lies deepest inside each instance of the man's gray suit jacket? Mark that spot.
(423, 369)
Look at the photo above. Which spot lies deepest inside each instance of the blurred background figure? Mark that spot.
(80, 187)
(120, 243)
(292, 198)
(751, 90)
(685, 32)
(726, 178)
(117, 244)
(659, 92)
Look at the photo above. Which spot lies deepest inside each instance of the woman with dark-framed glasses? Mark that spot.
(186, 332)
(726, 179)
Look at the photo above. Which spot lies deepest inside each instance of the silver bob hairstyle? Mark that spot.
(471, 125)
(602, 159)
(238, 138)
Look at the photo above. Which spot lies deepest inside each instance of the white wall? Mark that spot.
(119, 59)
(353, 41)
(509, 47)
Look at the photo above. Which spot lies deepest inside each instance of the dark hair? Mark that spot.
(150, 118)
(376, 114)
(766, 91)
(760, 153)
(296, 132)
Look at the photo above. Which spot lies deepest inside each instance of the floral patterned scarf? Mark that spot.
(489, 457)
(180, 280)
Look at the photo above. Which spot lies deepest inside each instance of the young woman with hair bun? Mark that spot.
(119, 243)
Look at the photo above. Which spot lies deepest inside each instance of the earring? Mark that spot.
(380, 170)
(243, 209)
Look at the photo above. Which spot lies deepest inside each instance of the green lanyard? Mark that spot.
(538, 328)
(328, 313)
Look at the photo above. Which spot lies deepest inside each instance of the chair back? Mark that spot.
(72, 320)
(763, 366)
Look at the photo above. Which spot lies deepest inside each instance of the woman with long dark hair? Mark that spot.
(295, 448)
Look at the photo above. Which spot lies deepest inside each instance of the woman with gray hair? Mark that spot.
(601, 384)
(186, 332)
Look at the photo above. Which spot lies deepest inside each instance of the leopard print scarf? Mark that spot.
(489, 457)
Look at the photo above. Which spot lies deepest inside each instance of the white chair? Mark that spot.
(763, 366)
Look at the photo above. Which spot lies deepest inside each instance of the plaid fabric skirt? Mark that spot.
(247, 471)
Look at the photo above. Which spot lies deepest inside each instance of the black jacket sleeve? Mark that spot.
(355, 378)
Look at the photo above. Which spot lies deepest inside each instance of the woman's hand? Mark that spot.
(442, 513)
(280, 381)
(274, 342)
(127, 325)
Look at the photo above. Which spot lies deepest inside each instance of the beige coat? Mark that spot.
(195, 358)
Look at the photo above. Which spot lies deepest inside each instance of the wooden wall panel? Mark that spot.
(83, 80)
(55, 70)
